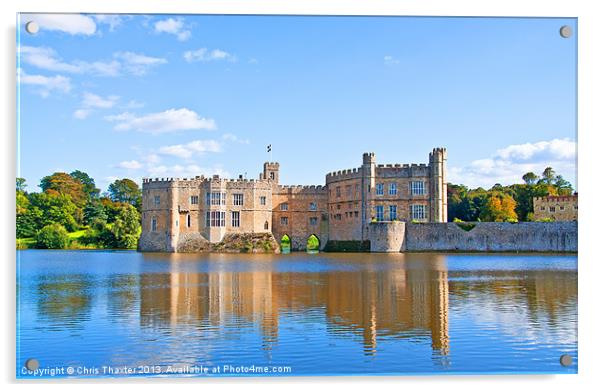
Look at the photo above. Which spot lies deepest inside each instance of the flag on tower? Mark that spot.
(269, 148)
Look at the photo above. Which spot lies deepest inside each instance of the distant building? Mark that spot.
(557, 208)
(176, 210)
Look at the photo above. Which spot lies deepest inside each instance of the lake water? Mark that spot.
(109, 313)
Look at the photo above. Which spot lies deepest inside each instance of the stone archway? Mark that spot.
(285, 244)
(313, 244)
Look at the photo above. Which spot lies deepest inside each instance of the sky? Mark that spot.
(140, 96)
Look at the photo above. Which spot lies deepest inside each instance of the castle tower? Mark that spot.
(172, 221)
(368, 184)
(271, 171)
(438, 181)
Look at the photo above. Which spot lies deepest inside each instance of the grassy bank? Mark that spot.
(74, 238)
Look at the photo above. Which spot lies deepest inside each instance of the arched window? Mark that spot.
(266, 226)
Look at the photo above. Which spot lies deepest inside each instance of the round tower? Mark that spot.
(438, 185)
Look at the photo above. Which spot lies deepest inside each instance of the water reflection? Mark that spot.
(410, 300)
(360, 310)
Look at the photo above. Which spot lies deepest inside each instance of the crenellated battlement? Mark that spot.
(344, 174)
(302, 189)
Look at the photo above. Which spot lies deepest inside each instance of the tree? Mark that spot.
(563, 187)
(52, 236)
(94, 211)
(66, 185)
(56, 208)
(21, 185)
(88, 183)
(530, 178)
(27, 217)
(126, 191)
(500, 207)
(548, 176)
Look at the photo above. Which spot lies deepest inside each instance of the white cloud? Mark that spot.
(81, 114)
(390, 60)
(171, 120)
(187, 150)
(45, 58)
(508, 164)
(45, 84)
(133, 104)
(67, 23)
(130, 165)
(173, 26)
(92, 101)
(205, 55)
(138, 64)
(233, 138)
(96, 101)
(113, 21)
(128, 62)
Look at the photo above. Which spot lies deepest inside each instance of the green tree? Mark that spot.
(563, 187)
(27, 216)
(126, 191)
(56, 208)
(89, 186)
(530, 178)
(548, 176)
(94, 211)
(52, 236)
(21, 185)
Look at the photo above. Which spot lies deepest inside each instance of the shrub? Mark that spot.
(52, 236)
(466, 226)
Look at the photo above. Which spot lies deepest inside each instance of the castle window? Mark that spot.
(392, 213)
(238, 199)
(284, 220)
(552, 209)
(392, 189)
(177, 221)
(542, 208)
(575, 207)
(338, 206)
(313, 206)
(208, 219)
(380, 189)
(188, 220)
(313, 221)
(157, 200)
(194, 200)
(348, 190)
(284, 207)
(418, 212)
(216, 198)
(356, 214)
(262, 200)
(338, 190)
(380, 213)
(216, 218)
(417, 187)
(266, 225)
(272, 176)
(561, 208)
(235, 218)
(154, 224)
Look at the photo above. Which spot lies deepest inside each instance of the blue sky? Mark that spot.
(177, 96)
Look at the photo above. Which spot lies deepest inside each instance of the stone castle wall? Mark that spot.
(557, 208)
(481, 237)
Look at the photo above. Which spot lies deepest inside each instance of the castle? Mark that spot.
(206, 209)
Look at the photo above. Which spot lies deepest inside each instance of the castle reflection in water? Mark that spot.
(363, 298)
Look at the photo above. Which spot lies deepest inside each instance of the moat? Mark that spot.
(306, 314)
